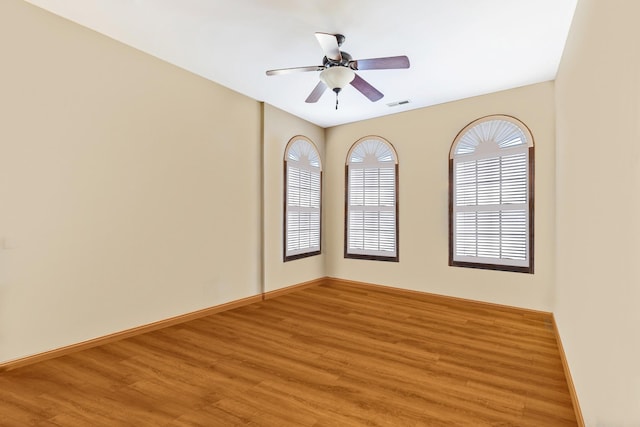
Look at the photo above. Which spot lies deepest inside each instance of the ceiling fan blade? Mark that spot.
(316, 93)
(329, 45)
(390, 62)
(294, 70)
(366, 89)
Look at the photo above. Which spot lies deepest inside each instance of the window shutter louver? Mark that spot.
(371, 230)
(303, 200)
(490, 216)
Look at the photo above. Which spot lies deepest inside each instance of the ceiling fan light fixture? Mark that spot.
(337, 77)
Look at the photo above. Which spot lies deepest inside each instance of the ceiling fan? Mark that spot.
(338, 69)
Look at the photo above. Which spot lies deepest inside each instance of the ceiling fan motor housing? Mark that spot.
(344, 62)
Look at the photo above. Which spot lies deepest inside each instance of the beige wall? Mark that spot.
(422, 139)
(279, 128)
(598, 209)
(120, 197)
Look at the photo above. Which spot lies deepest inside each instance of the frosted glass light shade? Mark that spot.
(337, 77)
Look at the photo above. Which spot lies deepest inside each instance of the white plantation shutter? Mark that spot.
(303, 199)
(371, 200)
(490, 220)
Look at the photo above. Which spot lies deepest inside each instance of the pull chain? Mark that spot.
(337, 91)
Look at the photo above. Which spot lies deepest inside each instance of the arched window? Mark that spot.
(491, 165)
(303, 195)
(371, 224)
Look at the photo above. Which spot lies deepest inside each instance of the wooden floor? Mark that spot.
(330, 355)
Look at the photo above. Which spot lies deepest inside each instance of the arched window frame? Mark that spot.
(302, 237)
(492, 140)
(377, 156)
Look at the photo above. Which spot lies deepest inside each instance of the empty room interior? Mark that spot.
(141, 199)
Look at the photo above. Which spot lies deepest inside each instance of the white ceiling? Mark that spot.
(457, 48)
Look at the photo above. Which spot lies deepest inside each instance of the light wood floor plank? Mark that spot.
(327, 355)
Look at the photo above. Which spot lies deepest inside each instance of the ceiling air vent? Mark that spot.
(395, 104)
